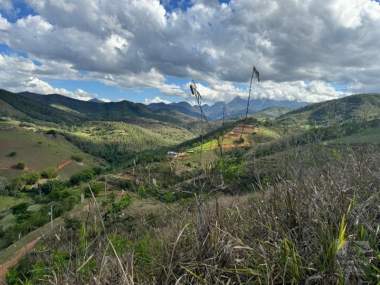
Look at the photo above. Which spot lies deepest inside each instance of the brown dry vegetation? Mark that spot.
(313, 219)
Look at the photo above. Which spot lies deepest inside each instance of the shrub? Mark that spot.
(17, 184)
(120, 205)
(142, 192)
(19, 165)
(12, 154)
(72, 223)
(4, 186)
(125, 201)
(20, 208)
(51, 132)
(49, 173)
(168, 197)
(30, 178)
(97, 170)
(77, 158)
(96, 188)
(52, 185)
(83, 176)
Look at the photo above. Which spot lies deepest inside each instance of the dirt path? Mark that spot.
(10, 256)
(16, 258)
(63, 164)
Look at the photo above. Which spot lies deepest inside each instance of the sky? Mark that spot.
(150, 50)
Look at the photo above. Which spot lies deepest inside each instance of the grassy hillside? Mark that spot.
(271, 113)
(293, 202)
(302, 213)
(28, 108)
(116, 141)
(355, 107)
(60, 109)
(37, 151)
(7, 111)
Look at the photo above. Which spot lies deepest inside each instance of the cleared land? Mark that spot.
(38, 151)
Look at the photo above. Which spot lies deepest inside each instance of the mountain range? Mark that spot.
(234, 109)
(57, 108)
(61, 109)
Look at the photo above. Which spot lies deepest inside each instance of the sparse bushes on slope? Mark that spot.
(30, 178)
(77, 158)
(19, 165)
(318, 225)
(12, 154)
(49, 173)
(83, 176)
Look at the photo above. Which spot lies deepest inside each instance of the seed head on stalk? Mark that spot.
(256, 75)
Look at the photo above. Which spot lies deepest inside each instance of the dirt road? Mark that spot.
(10, 256)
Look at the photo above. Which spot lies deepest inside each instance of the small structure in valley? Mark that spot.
(172, 154)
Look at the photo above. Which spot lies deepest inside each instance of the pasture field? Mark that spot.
(38, 151)
(371, 136)
(133, 137)
(7, 202)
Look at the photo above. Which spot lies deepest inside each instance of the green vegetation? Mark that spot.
(361, 107)
(25, 216)
(300, 233)
(37, 151)
(7, 202)
(295, 202)
(19, 165)
(63, 110)
(77, 158)
(49, 173)
(12, 154)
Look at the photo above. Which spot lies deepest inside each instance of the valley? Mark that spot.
(134, 194)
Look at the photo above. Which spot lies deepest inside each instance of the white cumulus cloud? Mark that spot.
(299, 46)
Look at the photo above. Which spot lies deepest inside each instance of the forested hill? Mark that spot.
(356, 107)
(61, 109)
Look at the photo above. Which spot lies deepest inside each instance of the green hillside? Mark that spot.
(198, 213)
(271, 113)
(7, 111)
(60, 109)
(37, 151)
(355, 107)
(117, 141)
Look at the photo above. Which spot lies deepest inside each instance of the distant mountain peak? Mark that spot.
(95, 100)
(238, 99)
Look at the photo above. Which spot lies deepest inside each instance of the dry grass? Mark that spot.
(318, 224)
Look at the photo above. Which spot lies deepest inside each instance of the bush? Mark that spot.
(12, 154)
(72, 223)
(120, 205)
(30, 178)
(77, 158)
(52, 185)
(83, 176)
(19, 165)
(51, 132)
(168, 197)
(17, 184)
(49, 173)
(97, 170)
(4, 186)
(96, 188)
(19, 209)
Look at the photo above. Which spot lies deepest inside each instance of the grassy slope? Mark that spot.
(362, 107)
(300, 228)
(60, 109)
(271, 113)
(370, 136)
(132, 137)
(8, 111)
(7, 202)
(37, 150)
